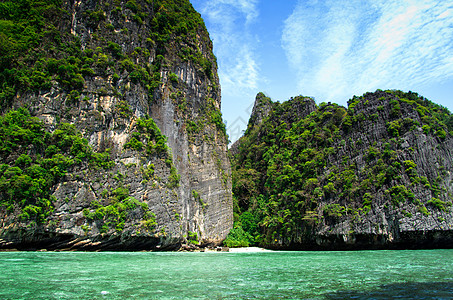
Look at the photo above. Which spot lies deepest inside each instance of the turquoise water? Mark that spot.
(422, 274)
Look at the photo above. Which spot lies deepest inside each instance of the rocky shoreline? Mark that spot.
(89, 246)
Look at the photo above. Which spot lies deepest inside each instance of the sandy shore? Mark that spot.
(249, 249)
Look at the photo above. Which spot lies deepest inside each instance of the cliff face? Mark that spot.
(128, 104)
(376, 175)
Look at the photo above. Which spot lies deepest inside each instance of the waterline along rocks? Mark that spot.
(375, 175)
(111, 131)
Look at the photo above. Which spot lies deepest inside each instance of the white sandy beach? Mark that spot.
(249, 249)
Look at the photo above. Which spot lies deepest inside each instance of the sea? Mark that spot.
(401, 274)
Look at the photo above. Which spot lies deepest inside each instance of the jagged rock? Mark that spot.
(261, 109)
(377, 175)
(136, 68)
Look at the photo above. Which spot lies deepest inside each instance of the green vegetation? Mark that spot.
(197, 198)
(192, 238)
(123, 109)
(115, 214)
(400, 194)
(334, 210)
(209, 114)
(215, 117)
(41, 55)
(149, 139)
(237, 238)
(174, 178)
(290, 165)
(37, 50)
(34, 160)
(439, 204)
(34, 51)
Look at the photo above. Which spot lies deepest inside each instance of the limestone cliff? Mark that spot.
(127, 94)
(375, 175)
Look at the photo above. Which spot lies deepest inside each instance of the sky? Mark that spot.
(329, 50)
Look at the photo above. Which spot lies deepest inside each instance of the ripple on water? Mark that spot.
(281, 275)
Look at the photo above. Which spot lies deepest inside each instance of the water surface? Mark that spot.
(421, 274)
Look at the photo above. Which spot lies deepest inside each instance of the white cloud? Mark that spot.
(216, 8)
(242, 74)
(233, 42)
(340, 49)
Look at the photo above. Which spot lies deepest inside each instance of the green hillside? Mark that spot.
(308, 166)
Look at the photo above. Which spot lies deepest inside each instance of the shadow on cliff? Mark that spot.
(405, 290)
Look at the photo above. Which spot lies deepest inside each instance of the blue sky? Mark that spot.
(330, 50)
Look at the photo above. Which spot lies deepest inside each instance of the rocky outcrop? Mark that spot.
(261, 109)
(412, 208)
(149, 100)
(377, 175)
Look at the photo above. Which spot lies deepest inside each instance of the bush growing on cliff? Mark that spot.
(334, 210)
(173, 77)
(26, 182)
(192, 238)
(393, 128)
(439, 204)
(174, 178)
(115, 214)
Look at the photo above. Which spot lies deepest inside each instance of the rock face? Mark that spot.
(261, 108)
(377, 175)
(138, 82)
